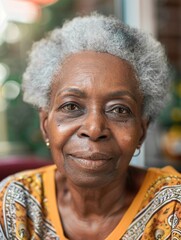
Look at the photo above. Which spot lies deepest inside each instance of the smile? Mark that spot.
(92, 161)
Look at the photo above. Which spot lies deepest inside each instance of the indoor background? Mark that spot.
(24, 21)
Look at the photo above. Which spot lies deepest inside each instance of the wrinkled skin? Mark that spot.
(94, 124)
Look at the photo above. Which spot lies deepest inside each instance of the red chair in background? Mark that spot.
(13, 164)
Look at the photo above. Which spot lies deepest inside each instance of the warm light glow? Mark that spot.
(3, 104)
(2, 13)
(43, 2)
(21, 11)
(26, 11)
(4, 73)
(10, 90)
(3, 20)
(12, 33)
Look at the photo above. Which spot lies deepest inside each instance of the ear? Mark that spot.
(43, 116)
(144, 125)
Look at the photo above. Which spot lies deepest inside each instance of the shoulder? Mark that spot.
(166, 176)
(23, 183)
(154, 180)
(164, 185)
(159, 205)
(27, 178)
(21, 199)
(167, 170)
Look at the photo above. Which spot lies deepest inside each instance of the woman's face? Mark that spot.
(94, 123)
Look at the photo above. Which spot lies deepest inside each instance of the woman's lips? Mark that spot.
(90, 161)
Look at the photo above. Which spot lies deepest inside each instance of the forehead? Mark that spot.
(90, 67)
(96, 60)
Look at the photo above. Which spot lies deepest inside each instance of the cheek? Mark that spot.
(127, 144)
(128, 140)
(57, 140)
(59, 134)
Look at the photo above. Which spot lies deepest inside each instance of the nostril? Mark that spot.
(84, 135)
(103, 137)
(94, 137)
(94, 134)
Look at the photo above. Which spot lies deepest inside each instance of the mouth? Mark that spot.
(91, 161)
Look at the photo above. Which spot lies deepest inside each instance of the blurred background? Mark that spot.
(24, 21)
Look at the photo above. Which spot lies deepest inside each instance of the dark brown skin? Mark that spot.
(94, 124)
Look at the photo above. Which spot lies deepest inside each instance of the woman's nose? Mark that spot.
(94, 127)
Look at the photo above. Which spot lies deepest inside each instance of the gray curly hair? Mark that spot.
(101, 34)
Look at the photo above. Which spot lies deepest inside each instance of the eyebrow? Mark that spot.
(122, 93)
(79, 93)
(73, 91)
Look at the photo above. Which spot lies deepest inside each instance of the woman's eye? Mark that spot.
(70, 110)
(120, 110)
(70, 107)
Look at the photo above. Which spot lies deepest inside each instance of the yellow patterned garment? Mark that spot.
(28, 208)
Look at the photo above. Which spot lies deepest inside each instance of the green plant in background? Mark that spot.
(171, 114)
(170, 123)
(22, 119)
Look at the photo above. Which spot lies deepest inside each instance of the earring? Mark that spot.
(47, 143)
(138, 153)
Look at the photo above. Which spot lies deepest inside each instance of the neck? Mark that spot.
(94, 202)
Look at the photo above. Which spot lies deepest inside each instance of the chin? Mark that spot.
(93, 184)
(90, 180)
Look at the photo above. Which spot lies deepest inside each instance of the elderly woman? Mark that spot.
(98, 84)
